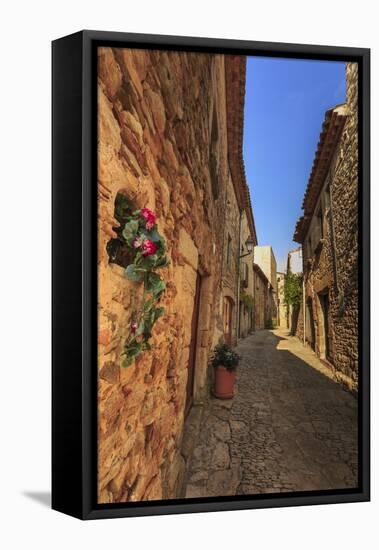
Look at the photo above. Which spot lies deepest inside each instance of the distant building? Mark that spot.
(295, 316)
(328, 233)
(265, 259)
(282, 317)
(262, 288)
(295, 261)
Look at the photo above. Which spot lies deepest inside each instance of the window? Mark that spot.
(320, 223)
(244, 275)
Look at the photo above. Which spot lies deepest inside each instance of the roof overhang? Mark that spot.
(235, 77)
(330, 134)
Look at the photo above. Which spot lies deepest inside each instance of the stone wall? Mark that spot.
(264, 257)
(331, 271)
(246, 281)
(297, 321)
(282, 308)
(230, 275)
(260, 299)
(344, 212)
(162, 141)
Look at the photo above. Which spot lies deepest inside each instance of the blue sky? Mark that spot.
(285, 105)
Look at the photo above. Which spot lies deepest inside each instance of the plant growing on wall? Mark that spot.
(146, 250)
(247, 300)
(292, 289)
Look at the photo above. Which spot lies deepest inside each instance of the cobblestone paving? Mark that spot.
(290, 426)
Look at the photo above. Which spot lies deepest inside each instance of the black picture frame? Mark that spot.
(74, 422)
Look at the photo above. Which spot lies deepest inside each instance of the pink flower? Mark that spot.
(133, 327)
(148, 247)
(149, 216)
(137, 242)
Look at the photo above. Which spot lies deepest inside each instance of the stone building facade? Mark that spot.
(295, 261)
(295, 314)
(328, 233)
(246, 294)
(170, 139)
(264, 257)
(282, 317)
(262, 298)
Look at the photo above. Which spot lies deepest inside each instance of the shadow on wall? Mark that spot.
(294, 320)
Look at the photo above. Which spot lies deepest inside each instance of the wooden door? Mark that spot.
(193, 345)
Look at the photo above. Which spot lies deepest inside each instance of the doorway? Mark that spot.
(309, 325)
(227, 316)
(325, 336)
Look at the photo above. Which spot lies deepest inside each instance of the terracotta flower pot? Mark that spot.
(224, 382)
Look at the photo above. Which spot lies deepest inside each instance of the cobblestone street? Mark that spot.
(290, 426)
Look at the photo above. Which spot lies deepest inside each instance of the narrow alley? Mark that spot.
(290, 426)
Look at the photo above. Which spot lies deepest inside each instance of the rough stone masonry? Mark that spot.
(328, 232)
(162, 140)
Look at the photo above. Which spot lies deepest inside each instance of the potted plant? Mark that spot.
(225, 362)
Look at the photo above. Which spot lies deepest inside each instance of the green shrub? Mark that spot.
(269, 324)
(223, 355)
(292, 289)
(248, 300)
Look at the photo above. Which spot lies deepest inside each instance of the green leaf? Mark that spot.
(159, 288)
(133, 273)
(147, 305)
(134, 351)
(140, 328)
(154, 236)
(126, 362)
(162, 262)
(130, 343)
(148, 262)
(146, 346)
(152, 280)
(130, 231)
(138, 257)
(155, 284)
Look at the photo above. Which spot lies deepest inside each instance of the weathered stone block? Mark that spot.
(188, 249)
